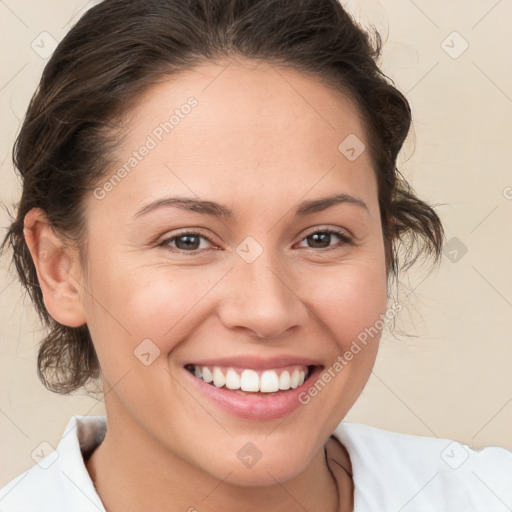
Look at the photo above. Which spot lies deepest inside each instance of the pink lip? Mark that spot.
(254, 406)
(257, 363)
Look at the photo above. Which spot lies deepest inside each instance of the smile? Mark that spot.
(250, 380)
(251, 388)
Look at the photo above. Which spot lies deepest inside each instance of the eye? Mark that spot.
(321, 239)
(187, 241)
(194, 242)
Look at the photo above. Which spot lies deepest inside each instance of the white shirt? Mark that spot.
(392, 473)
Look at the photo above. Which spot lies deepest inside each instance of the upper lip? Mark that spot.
(257, 362)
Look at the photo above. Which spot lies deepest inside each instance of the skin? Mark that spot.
(261, 140)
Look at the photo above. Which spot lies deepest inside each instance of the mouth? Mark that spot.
(252, 391)
(248, 380)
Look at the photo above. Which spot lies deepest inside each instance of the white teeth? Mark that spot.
(284, 380)
(218, 377)
(207, 374)
(269, 381)
(250, 381)
(232, 379)
(294, 379)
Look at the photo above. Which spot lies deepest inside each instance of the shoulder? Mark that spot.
(394, 471)
(59, 481)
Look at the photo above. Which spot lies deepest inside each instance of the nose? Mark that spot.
(261, 297)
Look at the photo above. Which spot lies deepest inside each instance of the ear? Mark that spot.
(58, 270)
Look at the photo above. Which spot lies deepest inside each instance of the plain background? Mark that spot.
(450, 379)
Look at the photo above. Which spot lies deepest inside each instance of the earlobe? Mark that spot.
(58, 270)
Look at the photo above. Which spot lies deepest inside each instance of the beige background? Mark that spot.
(452, 379)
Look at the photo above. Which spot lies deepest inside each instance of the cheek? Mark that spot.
(349, 304)
(349, 299)
(128, 306)
(135, 320)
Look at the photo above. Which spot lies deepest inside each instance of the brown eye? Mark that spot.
(188, 242)
(322, 239)
(185, 242)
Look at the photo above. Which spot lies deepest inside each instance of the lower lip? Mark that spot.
(255, 406)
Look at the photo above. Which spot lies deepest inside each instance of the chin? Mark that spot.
(258, 463)
(260, 475)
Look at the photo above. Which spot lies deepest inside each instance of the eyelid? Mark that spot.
(331, 229)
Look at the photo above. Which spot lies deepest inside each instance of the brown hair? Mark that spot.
(117, 49)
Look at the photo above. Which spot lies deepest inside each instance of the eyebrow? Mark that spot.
(217, 210)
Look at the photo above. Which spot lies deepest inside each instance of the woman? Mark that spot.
(209, 222)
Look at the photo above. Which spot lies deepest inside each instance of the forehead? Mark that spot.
(250, 126)
(248, 95)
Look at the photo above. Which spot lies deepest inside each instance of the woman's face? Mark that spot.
(259, 285)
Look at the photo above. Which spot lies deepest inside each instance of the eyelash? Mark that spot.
(345, 240)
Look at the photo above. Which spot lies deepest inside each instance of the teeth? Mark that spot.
(294, 379)
(232, 379)
(270, 381)
(284, 380)
(218, 377)
(207, 374)
(250, 381)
